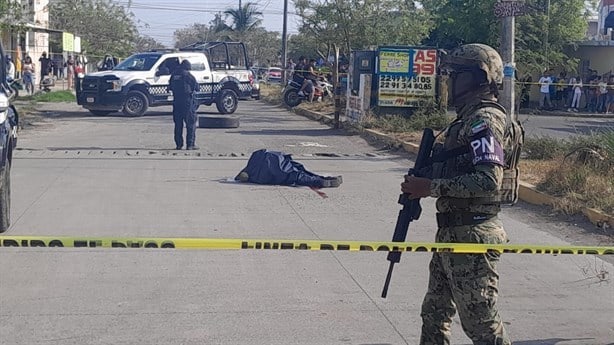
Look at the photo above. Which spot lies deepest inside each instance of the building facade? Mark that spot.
(596, 52)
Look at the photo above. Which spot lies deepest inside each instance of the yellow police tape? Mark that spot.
(251, 244)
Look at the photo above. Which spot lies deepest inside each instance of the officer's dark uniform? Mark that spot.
(184, 86)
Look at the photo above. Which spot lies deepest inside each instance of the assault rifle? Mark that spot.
(411, 207)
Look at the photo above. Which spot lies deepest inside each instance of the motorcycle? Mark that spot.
(16, 85)
(292, 98)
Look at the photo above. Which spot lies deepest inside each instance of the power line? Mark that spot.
(183, 9)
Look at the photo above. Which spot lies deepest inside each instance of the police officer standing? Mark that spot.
(184, 87)
(468, 184)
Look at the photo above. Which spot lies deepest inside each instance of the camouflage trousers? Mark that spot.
(466, 283)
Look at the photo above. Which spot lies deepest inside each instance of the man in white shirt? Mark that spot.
(10, 68)
(544, 90)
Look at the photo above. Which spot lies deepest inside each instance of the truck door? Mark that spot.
(159, 83)
(202, 73)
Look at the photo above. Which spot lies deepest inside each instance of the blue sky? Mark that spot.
(160, 18)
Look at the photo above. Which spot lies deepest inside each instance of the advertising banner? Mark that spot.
(407, 77)
(68, 42)
(77, 45)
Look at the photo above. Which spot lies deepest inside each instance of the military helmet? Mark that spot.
(477, 55)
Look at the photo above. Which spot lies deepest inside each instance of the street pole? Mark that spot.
(284, 45)
(337, 89)
(507, 98)
(547, 33)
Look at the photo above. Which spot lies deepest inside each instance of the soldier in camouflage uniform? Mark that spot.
(467, 178)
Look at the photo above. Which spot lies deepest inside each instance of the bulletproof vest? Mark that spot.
(453, 158)
(180, 86)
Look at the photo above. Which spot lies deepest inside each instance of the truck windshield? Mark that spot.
(138, 62)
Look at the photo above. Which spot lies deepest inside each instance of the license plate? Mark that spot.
(90, 100)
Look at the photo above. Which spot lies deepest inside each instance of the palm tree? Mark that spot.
(244, 18)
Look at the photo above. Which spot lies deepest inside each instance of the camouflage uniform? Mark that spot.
(466, 186)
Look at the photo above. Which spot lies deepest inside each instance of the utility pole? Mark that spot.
(284, 45)
(507, 10)
(547, 33)
(507, 54)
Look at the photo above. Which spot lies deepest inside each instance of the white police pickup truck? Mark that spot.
(141, 81)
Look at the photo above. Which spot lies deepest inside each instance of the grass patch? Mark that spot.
(402, 124)
(271, 93)
(324, 107)
(53, 96)
(578, 170)
(428, 116)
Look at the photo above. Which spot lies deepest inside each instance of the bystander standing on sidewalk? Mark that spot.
(561, 91)
(45, 64)
(576, 87)
(591, 95)
(27, 71)
(70, 71)
(544, 89)
(58, 66)
(10, 68)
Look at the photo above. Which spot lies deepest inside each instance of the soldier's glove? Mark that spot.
(416, 187)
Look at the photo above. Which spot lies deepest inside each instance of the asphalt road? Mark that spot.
(80, 175)
(565, 126)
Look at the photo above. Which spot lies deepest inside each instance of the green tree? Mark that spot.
(244, 18)
(196, 33)
(543, 35)
(144, 43)
(263, 46)
(359, 24)
(462, 21)
(12, 15)
(104, 27)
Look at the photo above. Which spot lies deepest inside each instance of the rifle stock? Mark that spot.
(411, 207)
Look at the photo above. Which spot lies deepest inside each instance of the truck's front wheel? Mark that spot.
(136, 104)
(227, 101)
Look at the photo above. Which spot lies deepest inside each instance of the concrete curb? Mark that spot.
(527, 192)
